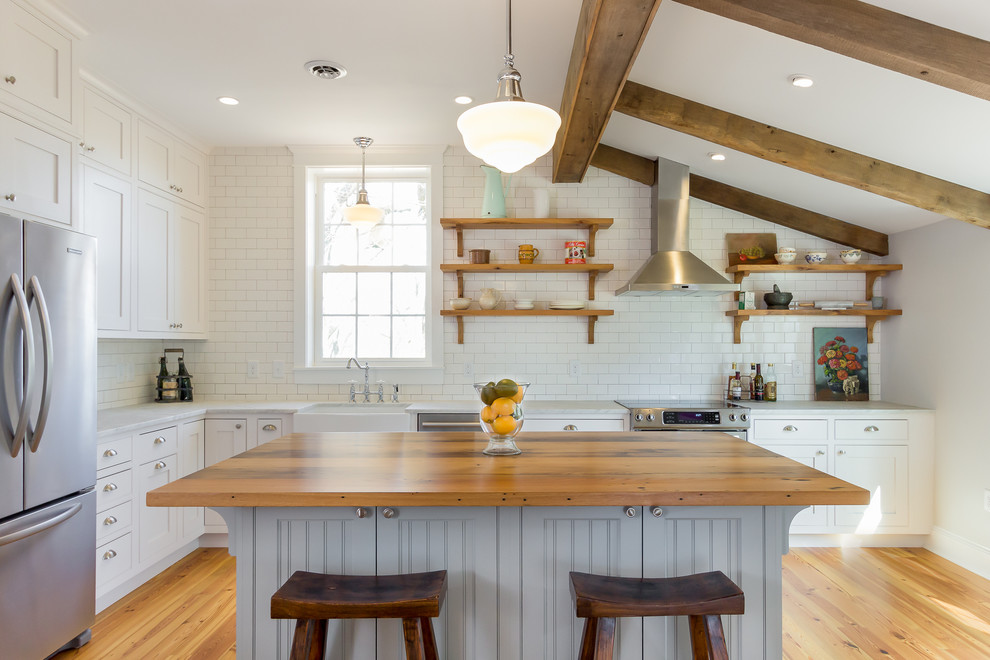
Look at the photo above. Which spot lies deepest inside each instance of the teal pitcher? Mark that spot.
(493, 201)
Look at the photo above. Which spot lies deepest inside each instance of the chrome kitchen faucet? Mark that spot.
(366, 368)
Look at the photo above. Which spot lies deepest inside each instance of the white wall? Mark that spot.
(939, 358)
(651, 346)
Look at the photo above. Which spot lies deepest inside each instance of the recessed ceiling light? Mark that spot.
(716, 156)
(228, 100)
(801, 80)
(463, 100)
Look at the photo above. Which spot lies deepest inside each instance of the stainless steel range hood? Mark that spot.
(672, 269)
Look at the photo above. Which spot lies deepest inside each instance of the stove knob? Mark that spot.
(732, 417)
(639, 417)
(650, 417)
(744, 417)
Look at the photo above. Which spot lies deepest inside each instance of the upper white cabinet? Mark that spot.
(106, 132)
(36, 70)
(35, 172)
(170, 165)
(106, 211)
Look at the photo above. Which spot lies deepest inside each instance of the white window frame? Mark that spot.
(310, 163)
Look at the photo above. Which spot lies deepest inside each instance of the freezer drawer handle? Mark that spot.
(17, 434)
(35, 434)
(36, 528)
(109, 488)
(268, 427)
(110, 453)
(110, 520)
(110, 554)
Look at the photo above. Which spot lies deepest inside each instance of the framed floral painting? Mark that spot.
(841, 364)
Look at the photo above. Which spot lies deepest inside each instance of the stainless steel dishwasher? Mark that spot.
(448, 422)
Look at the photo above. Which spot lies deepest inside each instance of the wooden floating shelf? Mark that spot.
(872, 271)
(592, 270)
(591, 224)
(740, 316)
(591, 314)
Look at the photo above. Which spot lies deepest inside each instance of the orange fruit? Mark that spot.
(504, 425)
(503, 406)
(487, 414)
(517, 397)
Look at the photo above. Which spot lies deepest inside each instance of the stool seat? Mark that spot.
(701, 593)
(314, 598)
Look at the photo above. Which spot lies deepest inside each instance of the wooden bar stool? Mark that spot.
(702, 597)
(313, 598)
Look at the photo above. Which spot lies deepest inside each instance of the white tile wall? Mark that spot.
(651, 346)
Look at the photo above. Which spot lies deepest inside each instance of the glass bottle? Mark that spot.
(732, 376)
(752, 380)
(758, 385)
(185, 382)
(770, 386)
(736, 387)
(162, 375)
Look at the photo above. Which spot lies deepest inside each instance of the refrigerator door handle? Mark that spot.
(38, 527)
(18, 433)
(36, 431)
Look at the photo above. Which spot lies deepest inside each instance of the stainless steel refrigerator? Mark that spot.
(47, 438)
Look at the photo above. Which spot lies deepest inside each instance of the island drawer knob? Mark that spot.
(656, 511)
(630, 511)
(790, 428)
(389, 512)
(361, 512)
(570, 427)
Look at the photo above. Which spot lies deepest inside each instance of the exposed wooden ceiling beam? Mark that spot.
(644, 170)
(805, 154)
(608, 38)
(871, 34)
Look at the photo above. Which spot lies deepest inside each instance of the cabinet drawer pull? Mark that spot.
(570, 427)
(842, 452)
(871, 429)
(630, 511)
(110, 453)
(268, 427)
(819, 453)
(656, 511)
(159, 440)
(11, 197)
(10, 79)
(110, 520)
(790, 428)
(389, 512)
(109, 554)
(109, 488)
(160, 465)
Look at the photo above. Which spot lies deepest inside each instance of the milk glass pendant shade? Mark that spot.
(363, 215)
(509, 133)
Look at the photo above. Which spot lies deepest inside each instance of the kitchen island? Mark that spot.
(508, 530)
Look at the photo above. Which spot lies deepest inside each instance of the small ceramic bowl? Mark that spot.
(785, 257)
(816, 257)
(850, 256)
(786, 250)
(460, 303)
(524, 304)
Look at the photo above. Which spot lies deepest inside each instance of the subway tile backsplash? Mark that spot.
(651, 346)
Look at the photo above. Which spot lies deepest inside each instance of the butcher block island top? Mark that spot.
(555, 469)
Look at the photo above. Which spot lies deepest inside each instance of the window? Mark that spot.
(370, 293)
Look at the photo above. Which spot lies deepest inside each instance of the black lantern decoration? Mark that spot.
(177, 386)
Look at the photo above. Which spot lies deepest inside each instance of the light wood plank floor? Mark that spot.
(838, 603)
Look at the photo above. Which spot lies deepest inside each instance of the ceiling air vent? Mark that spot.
(326, 70)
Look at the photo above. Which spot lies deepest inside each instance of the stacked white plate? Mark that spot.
(566, 304)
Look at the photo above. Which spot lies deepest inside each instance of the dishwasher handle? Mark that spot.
(443, 425)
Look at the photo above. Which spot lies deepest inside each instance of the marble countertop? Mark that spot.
(826, 407)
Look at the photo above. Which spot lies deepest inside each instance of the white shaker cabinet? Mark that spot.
(35, 172)
(158, 527)
(36, 70)
(106, 214)
(224, 438)
(191, 459)
(106, 132)
(171, 165)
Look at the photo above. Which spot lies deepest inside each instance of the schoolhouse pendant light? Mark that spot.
(509, 133)
(363, 215)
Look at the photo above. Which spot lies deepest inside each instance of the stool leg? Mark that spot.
(309, 640)
(429, 639)
(699, 637)
(716, 637)
(414, 639)
(605, 638)
(587, 651)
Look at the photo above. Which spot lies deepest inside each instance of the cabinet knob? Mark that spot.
(842, 452)
(160, 465)
(109, 488)
(389, 512)
(630, 511)
(110, 520)
(790, 428)
(570, 427)
(819, 453)
(11, 197)
(159, 440)
(110, 453)
(656, 511)
(91, 149)
(110, 554)
(179, 188)
(268, 427)
(871, 429)
(10, 79)
(361, 512)
(237, 426)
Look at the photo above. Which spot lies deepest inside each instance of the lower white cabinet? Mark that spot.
(191, 459)
(884, 470)
(812, 455)
(158, 526)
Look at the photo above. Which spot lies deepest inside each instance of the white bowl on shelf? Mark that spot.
(850, 256)
(524, 304)
(785, 257)
(460, 303)
(816, 257)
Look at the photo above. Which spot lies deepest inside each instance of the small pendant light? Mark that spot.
(363, 215)
(509, 133)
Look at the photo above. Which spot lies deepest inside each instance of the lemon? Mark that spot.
(504, 425)
(503, 406)
(487, 414)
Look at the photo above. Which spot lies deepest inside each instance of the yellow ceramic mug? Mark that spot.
(527, 253)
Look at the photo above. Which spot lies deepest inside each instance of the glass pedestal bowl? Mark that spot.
(501, 417)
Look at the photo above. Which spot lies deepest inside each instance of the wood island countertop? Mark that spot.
(555, 469)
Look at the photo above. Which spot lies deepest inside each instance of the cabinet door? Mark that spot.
(188, 280)
(556, 541)
(460, 540)
(322, 540)
(35, 177)
(815, 456)
(106, 132)
(686, 540)
(269, 428)
(35, 65)
(154, 156)
(189, 174)
(191, 457)
(154, 229)
(158, 526)
(106, 214)
(883, 470)
(224, 438)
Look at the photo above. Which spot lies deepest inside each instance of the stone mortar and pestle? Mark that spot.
(778, 299)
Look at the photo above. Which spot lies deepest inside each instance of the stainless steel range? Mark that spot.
(687, 415)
